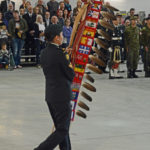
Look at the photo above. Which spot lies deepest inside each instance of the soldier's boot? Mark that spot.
(149, 74)
(130, 74)
(111, 74)
(116, 74)
(134, 75)
(146, 74)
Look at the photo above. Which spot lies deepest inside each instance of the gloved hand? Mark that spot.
(110, 49)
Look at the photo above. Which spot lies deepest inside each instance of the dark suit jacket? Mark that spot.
(4, 6)
(58, 75)
(46, 25)
(30, 20)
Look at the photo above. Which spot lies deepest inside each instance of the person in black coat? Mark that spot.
(8, 15)
(5, 4)
(59, 75)
(30, 18)
(47, 19)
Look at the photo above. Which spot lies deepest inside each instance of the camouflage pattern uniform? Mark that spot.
(145, 39)
(132, 43)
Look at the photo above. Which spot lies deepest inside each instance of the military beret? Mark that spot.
(148, 18)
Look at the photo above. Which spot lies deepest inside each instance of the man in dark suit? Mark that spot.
(5, 4)
(59, 75)
(8, 15)
(30, 18)
(47, 19)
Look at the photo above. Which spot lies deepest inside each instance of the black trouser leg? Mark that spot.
(61, 115)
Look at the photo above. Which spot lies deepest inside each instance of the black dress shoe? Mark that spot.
(130, 75)
(88, 72)
(134, 75)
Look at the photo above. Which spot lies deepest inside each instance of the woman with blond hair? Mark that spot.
(39, 28)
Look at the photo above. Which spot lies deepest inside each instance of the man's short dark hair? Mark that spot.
(52, 31)
(16, 11)
(132, 9)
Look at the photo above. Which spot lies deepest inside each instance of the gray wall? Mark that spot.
(140, 5)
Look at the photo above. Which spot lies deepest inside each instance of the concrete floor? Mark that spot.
(119, 118)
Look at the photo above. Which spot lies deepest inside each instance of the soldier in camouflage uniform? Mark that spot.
(132, 44)
(145, 39)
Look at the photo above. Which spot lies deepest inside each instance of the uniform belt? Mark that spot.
(116, 38)
(101, 37)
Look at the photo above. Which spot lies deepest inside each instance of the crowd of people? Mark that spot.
(25, 28)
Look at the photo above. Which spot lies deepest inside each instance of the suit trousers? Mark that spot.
(61, 115)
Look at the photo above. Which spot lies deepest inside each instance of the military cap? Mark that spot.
(133, 18)
(148, 18)
(118, 14)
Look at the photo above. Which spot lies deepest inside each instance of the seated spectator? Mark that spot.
(54, 20)
(66, 14)
(17, 29)
(47, 19)
(9, 14)
(22, 12)
(60, 17)
(3, 21)
(4, 35)
(5, 5)
(41, 6)
(4, 56)
(53, 6)
(23, 5)
(68, 6)
(67, 30)
(76, 9)
(39, 29)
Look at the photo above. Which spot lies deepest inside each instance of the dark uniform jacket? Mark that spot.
(58, 75)
(116, 37)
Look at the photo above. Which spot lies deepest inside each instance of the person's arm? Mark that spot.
(36, 29)
(10, 27)
(66, 67)
(25, 29)
(126, 39)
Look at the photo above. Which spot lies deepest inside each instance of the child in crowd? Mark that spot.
(4, 35)
(4, 56)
